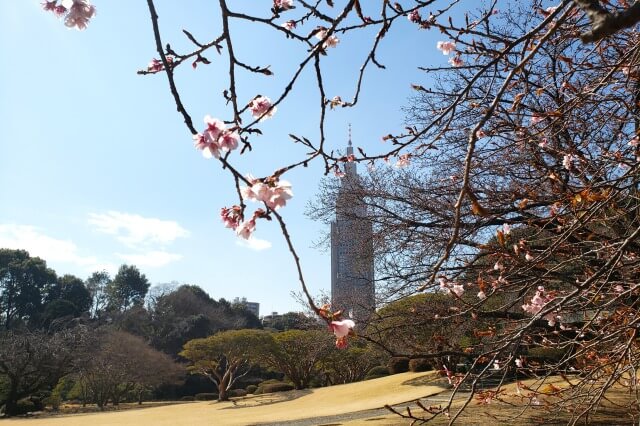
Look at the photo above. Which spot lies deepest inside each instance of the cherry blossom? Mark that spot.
(506, 229)
(538, 301)
(342, 329)
(482, 295)
(519, 362)
(331, 41)
(451, 288)
(567, 161)
(290, 25)
(446, 47)
(528, 256)
(414, 16)
(273, 192)
(535, 119)
(262, 108)
(634, 142)
(282, 4)
(246, 228)
(228, 140)
(209, 149)
(80, 13)
(231, 216)
(456, 61)
(543, 143)
(403, 161)
(49, 6)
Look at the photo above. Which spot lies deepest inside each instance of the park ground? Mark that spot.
(355, 404)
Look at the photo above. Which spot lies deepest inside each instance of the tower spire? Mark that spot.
(350, 144)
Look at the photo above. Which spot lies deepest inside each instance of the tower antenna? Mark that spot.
(350, 144)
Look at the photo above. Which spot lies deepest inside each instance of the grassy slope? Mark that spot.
(265, 408)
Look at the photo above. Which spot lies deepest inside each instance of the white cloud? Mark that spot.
(137, 231)
(254, 244)
(152, 259)
(50, 249)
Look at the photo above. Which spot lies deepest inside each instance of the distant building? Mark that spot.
(352, 273)
(252, 307)
(271, 320)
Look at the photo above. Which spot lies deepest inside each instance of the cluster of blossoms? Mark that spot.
(341, 328)
(77, 13)
(262, 108)
(403, 161)
(271, 191)
(280, 5)
(215, 138)
(232, 218)
(451, 288)
(156, 65)
(331, 41)
(448, 47)
(538, 302)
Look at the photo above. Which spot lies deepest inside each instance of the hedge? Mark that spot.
(417, 365)
(398, 365)
(206, 396)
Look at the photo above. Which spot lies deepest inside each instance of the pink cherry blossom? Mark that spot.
(634, 142)
(498, 266)
(538, 302)
(80, 13)
(49, 6)
(155, 65)
(290, 25)
(60, 10)
(519, 362)
(458, 289)
(414, 16)
(482, 295)
(543, 143)
(209, 149)
(331, 41)
(456, 61)
(231, 217)
(403, 161)
(274, 193)
(535, 119)
(618, 289)
(567, 161)
(214, 128)
(446, 47)
(228, 140)
(528, 257)
(338, 173)
(506, 229)
(262, 108)
(246, 228)
(342, 328)
(282, 4)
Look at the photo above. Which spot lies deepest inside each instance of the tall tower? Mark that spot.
(352, 281)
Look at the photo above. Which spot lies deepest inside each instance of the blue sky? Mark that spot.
(97, 168)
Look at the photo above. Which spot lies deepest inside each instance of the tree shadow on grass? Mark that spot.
(267, 399)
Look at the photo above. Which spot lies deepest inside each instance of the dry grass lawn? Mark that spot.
(270, 408)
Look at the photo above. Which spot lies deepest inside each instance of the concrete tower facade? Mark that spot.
(352, 276)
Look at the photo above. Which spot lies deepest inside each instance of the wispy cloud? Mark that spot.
(50, 249)
(152, 259)
(254, 244)
(136, 231)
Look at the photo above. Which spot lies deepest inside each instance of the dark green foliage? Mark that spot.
(273, 387)
(24, 282)
(206, 396)
(72, 290)
(128, 288)
(398, 365)
(377, 372)
(547, 354)
(251, 388)
(25, 406)
(417, 365)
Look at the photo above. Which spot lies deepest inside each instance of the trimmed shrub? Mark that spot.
(377, 372)
(237, 392)
(251, 388)
(206, 396)
(273, 387)
(53, 401)
(25, 406)
(398, 365)
(547, 354)
(418, 365)
(187, 398)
